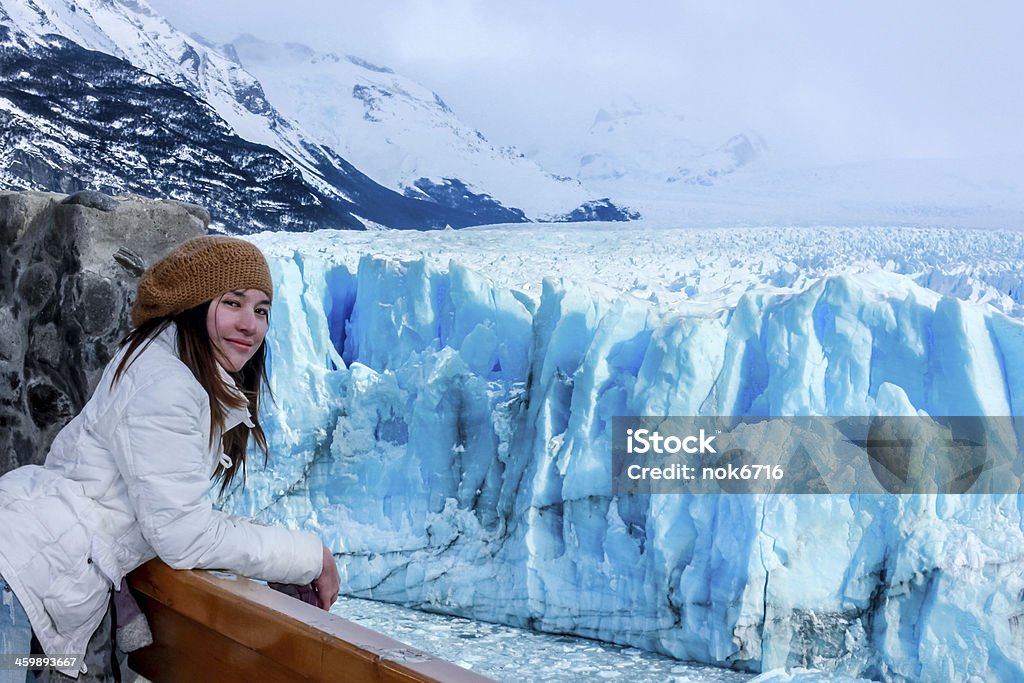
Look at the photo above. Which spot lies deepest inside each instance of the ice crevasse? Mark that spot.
(450, 438)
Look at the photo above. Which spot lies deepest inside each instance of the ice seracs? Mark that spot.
(445, 416)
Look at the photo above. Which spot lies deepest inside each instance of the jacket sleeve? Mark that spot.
(164, 456)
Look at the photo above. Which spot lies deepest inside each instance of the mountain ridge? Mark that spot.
(400, 132)
(131, 32)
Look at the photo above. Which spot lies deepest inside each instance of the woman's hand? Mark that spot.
(328, 583)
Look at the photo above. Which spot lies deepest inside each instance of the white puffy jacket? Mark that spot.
(127, 480)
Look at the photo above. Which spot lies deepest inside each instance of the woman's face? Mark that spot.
(237, 323)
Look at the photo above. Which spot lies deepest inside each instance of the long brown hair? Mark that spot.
(195, 349)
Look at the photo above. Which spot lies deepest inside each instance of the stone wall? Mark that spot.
(68, 270)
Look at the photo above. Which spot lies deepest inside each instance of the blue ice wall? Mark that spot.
(450, 440)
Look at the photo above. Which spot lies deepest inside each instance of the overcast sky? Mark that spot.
(828, 80)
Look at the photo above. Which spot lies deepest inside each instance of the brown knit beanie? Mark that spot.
(199, 270)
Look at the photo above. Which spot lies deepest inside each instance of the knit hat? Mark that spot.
(199, 270)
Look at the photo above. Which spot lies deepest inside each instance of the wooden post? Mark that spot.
(211, 626)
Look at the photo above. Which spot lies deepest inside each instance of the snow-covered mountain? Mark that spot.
(399, 132)
(676, 171)
(326, 190)
(73, 119)
(729, 157)
(632, 148)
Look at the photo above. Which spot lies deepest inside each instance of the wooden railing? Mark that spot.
(209, 626)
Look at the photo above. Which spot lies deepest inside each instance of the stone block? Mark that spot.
(69, 266)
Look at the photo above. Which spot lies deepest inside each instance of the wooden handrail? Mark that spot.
(211, 626)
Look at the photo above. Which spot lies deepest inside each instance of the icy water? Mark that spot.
(511, 654)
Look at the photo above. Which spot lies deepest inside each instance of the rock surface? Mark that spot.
(68, 270)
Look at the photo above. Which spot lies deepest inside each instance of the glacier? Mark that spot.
(442, 419)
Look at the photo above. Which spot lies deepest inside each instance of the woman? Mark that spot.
(128, 478)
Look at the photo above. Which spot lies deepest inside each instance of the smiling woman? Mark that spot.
(128, 479)
(237, 322)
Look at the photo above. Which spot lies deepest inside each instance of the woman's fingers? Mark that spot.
(328, 584)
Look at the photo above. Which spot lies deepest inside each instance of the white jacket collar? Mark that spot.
(234, 416)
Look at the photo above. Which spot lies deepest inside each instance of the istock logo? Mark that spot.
(645, 441)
